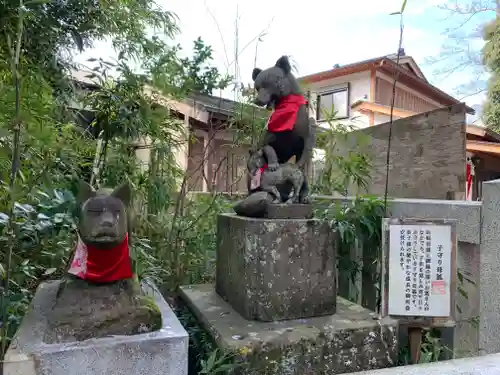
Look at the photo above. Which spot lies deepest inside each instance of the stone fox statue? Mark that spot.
(265, 174)
(102, 253)
(289, 131)
(100, 296)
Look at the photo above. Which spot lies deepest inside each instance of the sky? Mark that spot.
(316, 34)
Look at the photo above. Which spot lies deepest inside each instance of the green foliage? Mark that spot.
(182, 248)
(45, 138)
(491, 111)
(41, 247)
(174, 74)
(358, 224)
(200, 343)
(491, 49)
(218, 363)
(62, 26)
(460, 57)
(403, 6)
(204, 357)
(491, 58)
(55, 153)
(431, 350)
(345, 165)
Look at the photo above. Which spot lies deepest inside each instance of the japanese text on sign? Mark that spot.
(420, 256)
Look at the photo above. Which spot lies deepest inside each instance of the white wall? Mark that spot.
(359, 89)
(381, 118)
(359, 86)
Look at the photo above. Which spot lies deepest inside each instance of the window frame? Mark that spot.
(344, 88)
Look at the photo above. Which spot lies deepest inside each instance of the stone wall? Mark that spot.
(427, 158)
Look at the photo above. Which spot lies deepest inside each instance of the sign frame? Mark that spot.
(419, 321)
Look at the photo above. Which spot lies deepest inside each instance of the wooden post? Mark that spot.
(415, 343)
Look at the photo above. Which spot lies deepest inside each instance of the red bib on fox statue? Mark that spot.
(101, 266)
(255, 181)
(284, 115)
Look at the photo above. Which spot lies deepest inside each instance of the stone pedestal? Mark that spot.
(349, 341)
(162, 352)
(275, 301)
(276, 269)
(289, 211)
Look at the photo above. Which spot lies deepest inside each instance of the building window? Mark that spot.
(336, 101)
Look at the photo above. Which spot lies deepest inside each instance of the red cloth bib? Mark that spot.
(257, 177)
(284, 115)
(102, 266)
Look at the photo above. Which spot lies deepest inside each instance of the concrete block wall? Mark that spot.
(489, 264)
(422, 147)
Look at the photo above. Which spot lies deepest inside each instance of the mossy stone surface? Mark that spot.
(351, 340)
(83, 311)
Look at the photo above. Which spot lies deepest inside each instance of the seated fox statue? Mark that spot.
(265, 174)
(101, 296)
(269, 183)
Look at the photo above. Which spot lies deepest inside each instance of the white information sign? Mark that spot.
(419, 270)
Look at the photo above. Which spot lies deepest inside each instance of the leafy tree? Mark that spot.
(52, 154)
(460, 53)
(54, 28)
(491, 57)
(179, 76)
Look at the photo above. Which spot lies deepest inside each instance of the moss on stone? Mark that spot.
(83, 311)
(149, 304)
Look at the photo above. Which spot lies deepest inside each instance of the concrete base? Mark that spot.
(162, 352)
(351, 340)
(485, 365)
